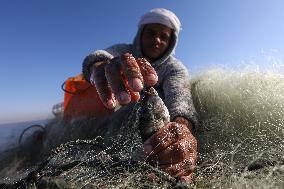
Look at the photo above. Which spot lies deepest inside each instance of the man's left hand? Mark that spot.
(174, 149)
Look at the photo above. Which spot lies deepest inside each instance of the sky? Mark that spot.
(43, 42)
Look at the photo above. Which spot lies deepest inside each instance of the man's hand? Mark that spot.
(121, 79)
(174, 149)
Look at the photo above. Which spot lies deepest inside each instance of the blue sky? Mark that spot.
(42, 43)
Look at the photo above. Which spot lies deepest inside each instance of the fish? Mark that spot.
(153, 113)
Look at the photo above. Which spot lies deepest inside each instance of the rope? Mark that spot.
(28, 128)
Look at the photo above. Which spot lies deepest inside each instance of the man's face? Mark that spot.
(155, 40)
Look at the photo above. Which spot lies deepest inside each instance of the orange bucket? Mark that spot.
(81, 99)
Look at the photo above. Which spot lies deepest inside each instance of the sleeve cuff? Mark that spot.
(90, 60)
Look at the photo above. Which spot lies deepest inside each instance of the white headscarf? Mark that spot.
(161, 16)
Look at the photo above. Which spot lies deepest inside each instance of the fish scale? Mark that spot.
(153, 113)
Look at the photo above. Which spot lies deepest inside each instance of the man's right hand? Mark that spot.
(121, 79)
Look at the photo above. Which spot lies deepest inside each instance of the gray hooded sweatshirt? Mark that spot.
(173, 78)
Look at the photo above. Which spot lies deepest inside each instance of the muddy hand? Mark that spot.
(121, 79)
(174, 149)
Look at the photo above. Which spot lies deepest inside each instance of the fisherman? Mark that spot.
(119, 75)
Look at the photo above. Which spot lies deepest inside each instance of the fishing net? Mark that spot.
(240, 141)
(113, 159)
(242, 128)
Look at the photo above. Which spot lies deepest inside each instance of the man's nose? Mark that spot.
(157, 39)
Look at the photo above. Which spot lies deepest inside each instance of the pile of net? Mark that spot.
(92, 164)
(240, 143)
(92, 156)
(242, 129)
